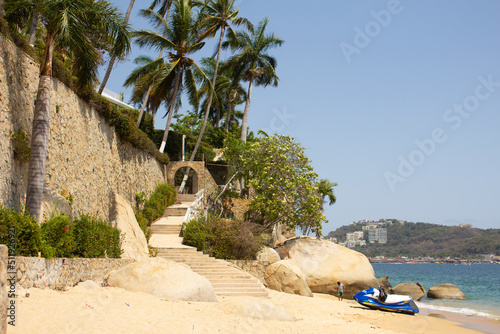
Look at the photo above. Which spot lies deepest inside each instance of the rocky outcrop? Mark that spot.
(450, 291)
(324, 263)
(415, 290)
(268, 254)
(134, 244)
(53, 203)
(163, 278)
(287, 277)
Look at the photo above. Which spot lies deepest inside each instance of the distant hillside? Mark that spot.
(422, 239)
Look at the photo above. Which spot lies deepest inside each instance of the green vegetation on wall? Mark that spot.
(87, 236)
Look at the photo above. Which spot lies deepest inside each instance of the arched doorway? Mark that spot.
(191, 183)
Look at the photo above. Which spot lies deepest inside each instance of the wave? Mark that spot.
(461, 310)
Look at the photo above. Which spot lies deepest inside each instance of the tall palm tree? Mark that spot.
(69, 25)
(113, 56)
(26, 10)
(216, 15)
(163, 10)
(182, 38)
(258, 66)
(325, 188)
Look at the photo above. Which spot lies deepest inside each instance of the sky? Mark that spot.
(396, 101)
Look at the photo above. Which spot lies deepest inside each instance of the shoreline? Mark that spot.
(478, 323)
(113, 310)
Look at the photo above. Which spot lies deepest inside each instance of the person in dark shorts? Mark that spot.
(340, 290)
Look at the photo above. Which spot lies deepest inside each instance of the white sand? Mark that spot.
(47, 311)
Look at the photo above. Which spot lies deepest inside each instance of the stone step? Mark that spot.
(170, 211)
(262, 294)
(236, 284)
(185, 197)
(244, 280)
(166, 229)
(237, 289)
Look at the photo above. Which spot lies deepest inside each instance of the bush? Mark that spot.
(58, 233)
(154, 208)
(224, 239)
(29, 239)
(96, 238)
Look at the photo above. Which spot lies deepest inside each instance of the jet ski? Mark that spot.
(375, 298)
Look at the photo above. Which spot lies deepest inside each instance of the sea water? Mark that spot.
(479, 282)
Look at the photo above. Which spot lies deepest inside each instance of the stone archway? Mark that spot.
(203, 179)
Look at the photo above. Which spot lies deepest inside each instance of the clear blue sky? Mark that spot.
(396, 101)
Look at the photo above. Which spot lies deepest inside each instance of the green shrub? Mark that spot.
(224, 239)
(154, 208)
(96, 238)
(29, 240)
(22, 148)
(58, 233)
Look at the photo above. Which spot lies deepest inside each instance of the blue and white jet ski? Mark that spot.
(393, 303)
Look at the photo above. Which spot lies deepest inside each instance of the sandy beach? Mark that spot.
(114, 310)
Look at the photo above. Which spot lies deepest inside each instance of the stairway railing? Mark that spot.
(195, 208)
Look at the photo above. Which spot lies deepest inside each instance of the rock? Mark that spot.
(258, 309)
(324, 263)
(415, 290)
(287, 277)
(449, 291)
(53, 203)
(163, 278)
(134, 245)
(87, 285)
(269, 255)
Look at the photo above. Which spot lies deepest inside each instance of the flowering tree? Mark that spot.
(285, 185)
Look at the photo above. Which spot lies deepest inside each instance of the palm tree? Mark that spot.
(217, 15)
(325, 188)
(113, 56)
(23, 10)
(164, 10)
(182, 38)
(259, 67)
(69, 25)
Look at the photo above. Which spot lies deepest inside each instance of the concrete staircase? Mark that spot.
(226, 279)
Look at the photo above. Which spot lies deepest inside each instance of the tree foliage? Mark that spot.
(285, 185)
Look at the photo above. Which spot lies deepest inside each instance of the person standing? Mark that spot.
(340, 290)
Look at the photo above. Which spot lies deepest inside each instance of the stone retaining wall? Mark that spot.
(85, 158)
(63, 272)
(255, 268)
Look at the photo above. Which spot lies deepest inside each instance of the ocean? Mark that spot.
(479, 282)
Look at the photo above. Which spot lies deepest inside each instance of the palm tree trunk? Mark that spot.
(141, 113)
(113, 58)
(244, 122)
(40, 134)
(207, 110)
(171, 109)
(34, 24)
(229, 114)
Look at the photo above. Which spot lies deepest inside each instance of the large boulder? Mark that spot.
(53, 203)
(269, 255)
(415, 290)
(450, 291)
(163, 278)
(325, 263)
(287, 277)
(134, 244)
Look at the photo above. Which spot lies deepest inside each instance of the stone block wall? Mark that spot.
(86, 158)
(60, 273)
(255, 268)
